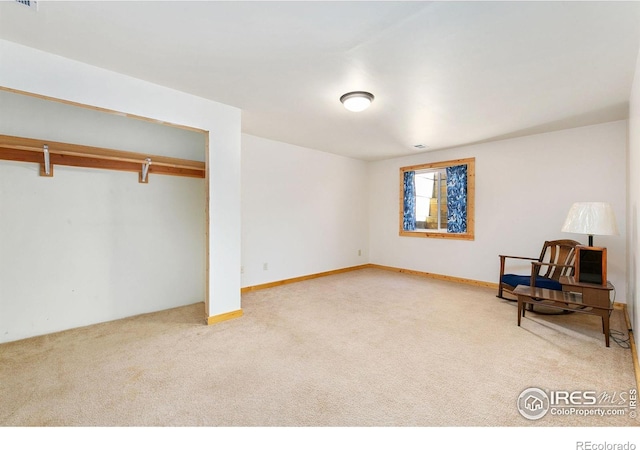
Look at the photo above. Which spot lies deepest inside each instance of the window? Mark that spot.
(437, 199)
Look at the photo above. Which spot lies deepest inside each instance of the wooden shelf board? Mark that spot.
(31, 150)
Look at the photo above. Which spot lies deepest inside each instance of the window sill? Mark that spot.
(437, 235)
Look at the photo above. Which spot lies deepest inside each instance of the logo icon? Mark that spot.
(533, 403)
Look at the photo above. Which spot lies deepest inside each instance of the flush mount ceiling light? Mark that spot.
(356, 101)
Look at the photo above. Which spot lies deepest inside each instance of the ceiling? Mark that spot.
(444, 74)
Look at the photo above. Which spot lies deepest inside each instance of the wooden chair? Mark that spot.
(556, 259)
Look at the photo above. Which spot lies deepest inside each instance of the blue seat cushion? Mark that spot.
(545, 283)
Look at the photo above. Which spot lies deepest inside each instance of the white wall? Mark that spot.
(633, 242)
(524, 189)
(39, 118)
(303, 211)
(41, 73)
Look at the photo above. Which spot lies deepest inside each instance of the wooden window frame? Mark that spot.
(471, 182)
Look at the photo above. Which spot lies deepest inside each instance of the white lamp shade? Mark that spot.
(592, 218)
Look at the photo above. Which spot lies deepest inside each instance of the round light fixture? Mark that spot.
(357, 101)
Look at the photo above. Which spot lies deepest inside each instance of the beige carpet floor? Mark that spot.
(363, 348)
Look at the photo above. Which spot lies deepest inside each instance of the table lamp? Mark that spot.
(591, 218)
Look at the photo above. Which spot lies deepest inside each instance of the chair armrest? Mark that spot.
(535, 269)
(517, 257)
(503, 259)
(537, 264)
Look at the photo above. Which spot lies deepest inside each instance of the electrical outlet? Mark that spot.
(265, 266)
(359, 252)
(241, 269)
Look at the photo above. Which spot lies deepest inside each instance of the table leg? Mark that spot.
(520, 309)
(605, 326)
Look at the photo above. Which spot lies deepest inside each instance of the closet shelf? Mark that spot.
(14, 148)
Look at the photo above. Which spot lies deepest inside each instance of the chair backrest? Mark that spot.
(562, 251)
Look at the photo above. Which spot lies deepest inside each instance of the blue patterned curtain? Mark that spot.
(409, 220)
(456, 199)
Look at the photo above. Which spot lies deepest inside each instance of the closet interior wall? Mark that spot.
(90, 245)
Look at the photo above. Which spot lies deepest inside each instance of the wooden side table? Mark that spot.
(593, 295)
(576, 297)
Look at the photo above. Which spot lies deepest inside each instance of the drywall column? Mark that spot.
(223, 221)
(28, 70)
